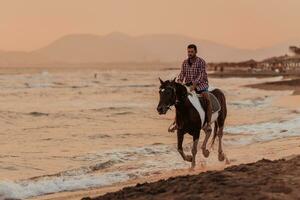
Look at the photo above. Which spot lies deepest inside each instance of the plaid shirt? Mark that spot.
(195, 73)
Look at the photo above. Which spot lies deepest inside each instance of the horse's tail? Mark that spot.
(222, 113)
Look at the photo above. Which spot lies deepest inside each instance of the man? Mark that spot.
(193, 73)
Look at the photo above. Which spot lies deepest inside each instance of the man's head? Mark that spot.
(192, 51)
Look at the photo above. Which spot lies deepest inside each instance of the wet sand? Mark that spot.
(293, 84)
(263, 179)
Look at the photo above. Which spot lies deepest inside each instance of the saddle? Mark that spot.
(197, 100)
(216, 107)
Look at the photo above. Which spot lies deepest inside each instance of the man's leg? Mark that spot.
(207, 127)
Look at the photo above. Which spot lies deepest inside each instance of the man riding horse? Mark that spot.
(193, 74)
(194, 114)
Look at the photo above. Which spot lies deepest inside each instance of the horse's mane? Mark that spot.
(181, 91)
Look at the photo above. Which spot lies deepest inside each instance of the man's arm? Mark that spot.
(181, 76)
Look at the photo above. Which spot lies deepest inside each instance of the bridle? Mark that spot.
(173, 89)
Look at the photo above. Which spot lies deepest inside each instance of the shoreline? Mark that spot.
(244, 74)
(272, 150)
(293, 84)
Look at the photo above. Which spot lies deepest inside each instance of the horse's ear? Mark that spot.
(161, 81)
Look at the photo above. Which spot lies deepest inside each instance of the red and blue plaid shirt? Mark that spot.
(194, 73)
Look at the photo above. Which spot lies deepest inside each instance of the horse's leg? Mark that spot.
(221, 154)
(220, 122)
(205, 152)
(216, 129)
(180, 136)
(194, 148)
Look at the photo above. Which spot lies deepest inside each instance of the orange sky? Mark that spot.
(30, 24)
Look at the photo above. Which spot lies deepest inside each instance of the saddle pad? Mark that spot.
(216, 107)
(194, 99)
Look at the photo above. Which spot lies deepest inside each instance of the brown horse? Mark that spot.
(188, 119)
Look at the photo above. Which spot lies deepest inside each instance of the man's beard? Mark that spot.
(190, 59)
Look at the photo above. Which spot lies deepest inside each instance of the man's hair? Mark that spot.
(192, 46)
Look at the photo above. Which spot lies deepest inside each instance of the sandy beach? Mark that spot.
(66, 134)
(263, 179)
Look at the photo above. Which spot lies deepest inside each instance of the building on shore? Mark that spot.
(279, 64)
(228, 66)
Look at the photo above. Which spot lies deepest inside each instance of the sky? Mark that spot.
(30, 24)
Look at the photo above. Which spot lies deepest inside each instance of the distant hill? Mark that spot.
(119, 47)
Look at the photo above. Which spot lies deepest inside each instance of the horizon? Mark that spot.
(32, 24)
(148, 34)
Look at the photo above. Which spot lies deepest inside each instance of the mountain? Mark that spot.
(119, 47)
(83, 48)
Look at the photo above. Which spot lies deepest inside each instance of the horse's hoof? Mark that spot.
(203, 164)
(205, 153)
(193, 166)
(227, 161)
(221, 157)
(189, 158)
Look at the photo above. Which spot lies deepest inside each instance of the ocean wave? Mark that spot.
(146, 160)
(267, 131)
(248, 103)
(46, 185)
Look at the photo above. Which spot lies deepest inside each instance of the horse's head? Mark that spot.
(167, 96)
